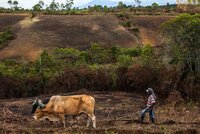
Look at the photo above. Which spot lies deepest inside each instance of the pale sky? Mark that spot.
(30, 3)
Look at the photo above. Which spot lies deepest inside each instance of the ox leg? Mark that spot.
(88, 121)
(93, 118)
(93, 121)
(62, 117)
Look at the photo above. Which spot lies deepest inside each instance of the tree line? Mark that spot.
(67, 8)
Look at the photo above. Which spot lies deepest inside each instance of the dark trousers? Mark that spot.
(151, 114)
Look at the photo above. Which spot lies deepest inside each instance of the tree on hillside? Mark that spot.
(41, 3)
(10, 3)
(181, 36)
(15, 3)
(53, 6)
(58, 5)
(138, 2)
(121, 5)
(37, 7)
(154, 5)
(97, 8)
(62, 6)
(147, 55)
(105, 8)
(68, 4)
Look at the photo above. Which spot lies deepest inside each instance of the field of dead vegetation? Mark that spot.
(50, 31)
(116, 112)
(76, 31)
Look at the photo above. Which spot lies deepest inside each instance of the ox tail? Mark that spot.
(92, 104)
(94, 107)
(92, 101)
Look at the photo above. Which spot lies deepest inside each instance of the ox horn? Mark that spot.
(35, 101)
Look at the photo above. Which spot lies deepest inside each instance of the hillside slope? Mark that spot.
(149, 27)
(7, 20)
(47, 32)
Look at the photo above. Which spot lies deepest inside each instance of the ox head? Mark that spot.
(39, 114)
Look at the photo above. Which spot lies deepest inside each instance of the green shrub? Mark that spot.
(33, 14)
(135, 30)
(133, 52)
(122, 15)
(5, 36)
(147, 54)
(100, 54)
(182, 33)
(126, 23)
(124, 60)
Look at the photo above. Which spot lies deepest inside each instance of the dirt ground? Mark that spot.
(116, 112)
(76, 31)
(50, 31)
(7, 20)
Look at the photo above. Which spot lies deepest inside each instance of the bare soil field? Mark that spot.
(50, 31)
(79, 31)
(7, 20)
(116, 112)
(149, 27)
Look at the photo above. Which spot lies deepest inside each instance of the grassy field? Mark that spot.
(116, 112)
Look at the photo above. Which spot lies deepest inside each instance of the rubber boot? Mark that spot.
(152, 120)
(142, 119)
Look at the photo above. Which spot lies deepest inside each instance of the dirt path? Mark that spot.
(149, 27)
(115, 112)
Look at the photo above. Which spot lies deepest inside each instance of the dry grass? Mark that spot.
(48, 32)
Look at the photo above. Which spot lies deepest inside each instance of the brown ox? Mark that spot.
(59, 106)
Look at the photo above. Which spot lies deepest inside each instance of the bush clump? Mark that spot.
(5, 37)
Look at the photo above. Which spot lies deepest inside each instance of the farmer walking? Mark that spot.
(150, 104)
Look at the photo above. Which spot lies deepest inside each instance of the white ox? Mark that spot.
(58, 106)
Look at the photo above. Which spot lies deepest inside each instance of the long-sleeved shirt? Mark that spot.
(151, 101)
